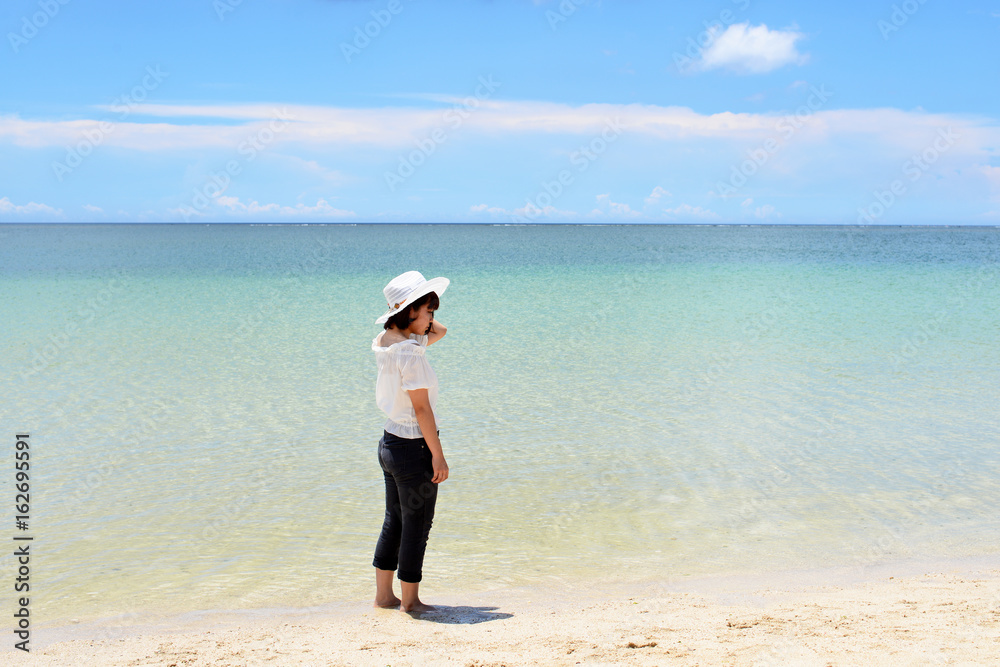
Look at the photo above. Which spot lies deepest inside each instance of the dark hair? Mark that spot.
(402, 319)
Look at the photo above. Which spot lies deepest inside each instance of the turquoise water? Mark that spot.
(616, 403)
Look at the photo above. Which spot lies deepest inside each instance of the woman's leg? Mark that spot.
(387, 548)
(418, 497)
(384, 597)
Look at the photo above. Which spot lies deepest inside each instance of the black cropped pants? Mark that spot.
(410, 496)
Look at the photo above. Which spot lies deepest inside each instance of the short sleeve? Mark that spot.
(416, 372)
(421, 340)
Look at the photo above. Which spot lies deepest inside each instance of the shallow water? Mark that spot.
(616, 403)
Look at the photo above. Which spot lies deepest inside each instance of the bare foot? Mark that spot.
(417, 606)
(387, 602)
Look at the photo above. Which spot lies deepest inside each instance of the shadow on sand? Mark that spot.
(459, 615)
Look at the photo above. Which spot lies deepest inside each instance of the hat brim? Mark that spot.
(438, 285)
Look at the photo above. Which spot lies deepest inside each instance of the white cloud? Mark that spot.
(658, 193)
(396, 128)
(315, 170)
(322, 208)
(762, 212)
(686, 211)
(751, 50)
(766, 211)
(531, 211)
(992, 175)
(606, 207)
(93, 209)
(31, 209)
(610, 209)
(492, 210)
(528, 212)
(234, 204)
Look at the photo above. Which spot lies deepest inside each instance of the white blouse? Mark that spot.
(403, 366)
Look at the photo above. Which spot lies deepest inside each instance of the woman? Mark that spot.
(409, 451)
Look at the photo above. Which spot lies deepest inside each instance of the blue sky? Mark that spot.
(577, 111)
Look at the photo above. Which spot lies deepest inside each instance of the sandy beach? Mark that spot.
(904, 614)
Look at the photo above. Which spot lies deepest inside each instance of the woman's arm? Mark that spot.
(428, 426)
(436, 333)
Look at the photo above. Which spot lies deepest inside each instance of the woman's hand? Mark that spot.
(440, 469)
(428, 426)
(435, 332)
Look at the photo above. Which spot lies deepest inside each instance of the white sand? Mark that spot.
(947, 616)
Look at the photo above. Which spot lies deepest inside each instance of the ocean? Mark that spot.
(617, 403)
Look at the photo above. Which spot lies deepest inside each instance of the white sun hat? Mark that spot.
(407, 288)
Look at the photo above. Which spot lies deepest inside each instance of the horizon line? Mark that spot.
(512, 224)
